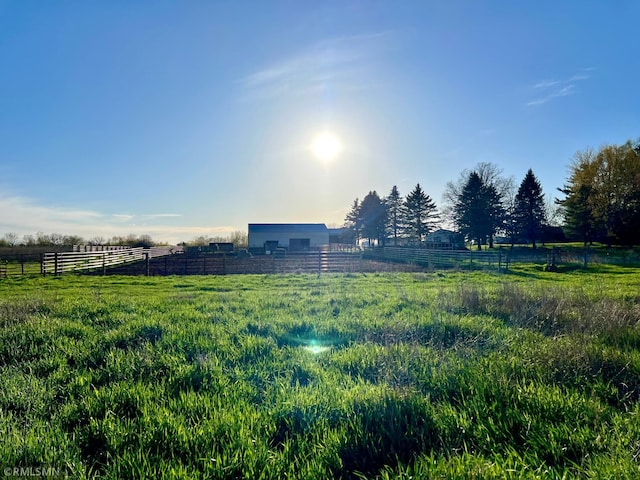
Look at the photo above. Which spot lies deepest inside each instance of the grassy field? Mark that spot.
(410, 375)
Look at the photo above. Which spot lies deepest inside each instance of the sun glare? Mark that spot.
(326, 147)
(316, 348)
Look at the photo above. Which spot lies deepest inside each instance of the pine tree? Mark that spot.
(395, 215)
(478, 210)
(529, 214)
(353, 221)
(495, 211)
(500, 191)
(420, 211)
(510, 226)
(579, 214)
(373, 215)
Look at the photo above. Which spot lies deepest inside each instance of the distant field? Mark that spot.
(411, 375)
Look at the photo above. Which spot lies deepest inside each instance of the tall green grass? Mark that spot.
(526, 375)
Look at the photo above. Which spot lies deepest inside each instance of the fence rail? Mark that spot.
(20, 264)
(502, 258)
(441, 258)
(60, 262)
(223, 264)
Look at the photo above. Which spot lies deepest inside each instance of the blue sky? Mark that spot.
(180, 119)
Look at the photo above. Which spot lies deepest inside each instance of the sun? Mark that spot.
(326, 146)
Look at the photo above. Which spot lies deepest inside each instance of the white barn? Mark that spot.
(293, 236)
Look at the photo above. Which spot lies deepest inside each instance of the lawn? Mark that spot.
(412, 375)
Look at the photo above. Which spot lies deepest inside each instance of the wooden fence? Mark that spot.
(224, 264)
(162, 261)
(21, 264)
(61, 262)
(58, 263)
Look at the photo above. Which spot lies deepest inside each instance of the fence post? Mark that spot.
(104, 263)
(55, 264)
(224, 263)
(147, 265)
(500, 260)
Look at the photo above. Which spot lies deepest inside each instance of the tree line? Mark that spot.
(601, 202)
(239, 238)
(393, 217)
(42, 239)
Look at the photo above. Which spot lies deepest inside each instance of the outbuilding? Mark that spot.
(445, 239)
(292, 236)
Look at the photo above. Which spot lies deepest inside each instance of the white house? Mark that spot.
(293, 236)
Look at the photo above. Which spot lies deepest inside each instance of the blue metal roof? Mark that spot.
(287, 227)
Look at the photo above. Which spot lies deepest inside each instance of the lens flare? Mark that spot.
(317, 349)
(326, 147)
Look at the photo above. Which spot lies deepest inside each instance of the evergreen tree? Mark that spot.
(495, 211)
(373, 215)
(501, 189)
(353, 221)
(579, 215)
(421, 216)
(395, 215)
(529, 214)
(478, 210)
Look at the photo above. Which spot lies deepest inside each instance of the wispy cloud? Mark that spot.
(128, 217)
(25, 216)
(547, 90)
(122, 217)
(330, 63)
(162, 215)
(547, 84)
(579, 77)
